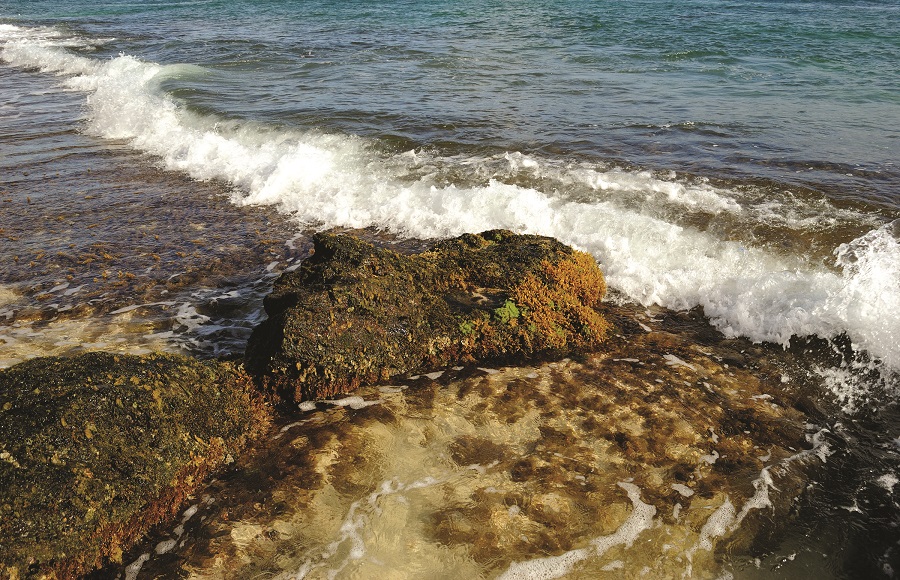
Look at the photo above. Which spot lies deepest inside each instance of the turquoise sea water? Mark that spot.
(160, 163)
(801, 92)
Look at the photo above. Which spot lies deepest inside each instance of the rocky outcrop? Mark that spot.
(664, 455)
(97, 448)
(355, 314)
(665, 436)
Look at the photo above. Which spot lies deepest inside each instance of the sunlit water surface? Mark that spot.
(162, 163)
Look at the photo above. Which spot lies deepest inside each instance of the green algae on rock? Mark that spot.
(355, 314)
(97, 448)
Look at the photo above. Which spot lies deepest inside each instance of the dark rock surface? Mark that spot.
(97, 448)
(355, 314)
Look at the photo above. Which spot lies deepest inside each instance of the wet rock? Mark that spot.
(97, 448)
(651, 458)
(355, 314)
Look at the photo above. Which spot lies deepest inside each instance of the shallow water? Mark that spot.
(654, 455)
(733, 164)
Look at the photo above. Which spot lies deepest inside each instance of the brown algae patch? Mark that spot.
(651, 458)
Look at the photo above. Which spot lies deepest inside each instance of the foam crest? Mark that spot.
(44, 49)
(331, 180)
(869, 298)
(640, 185)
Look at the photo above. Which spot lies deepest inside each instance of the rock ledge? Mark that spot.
(354, 314)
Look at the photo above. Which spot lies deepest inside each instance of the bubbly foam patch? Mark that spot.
(888, 481)
(727, 519)
(353, 402)
(869, 298)
(619, 216)
(719, 523)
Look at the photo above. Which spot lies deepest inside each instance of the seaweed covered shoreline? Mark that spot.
(640, 408)
(731, 170)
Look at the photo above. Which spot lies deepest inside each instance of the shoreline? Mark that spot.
(147, 204)
(680, 414)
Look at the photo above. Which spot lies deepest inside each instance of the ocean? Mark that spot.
(162, 162)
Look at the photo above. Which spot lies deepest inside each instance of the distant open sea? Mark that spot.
(162, 161)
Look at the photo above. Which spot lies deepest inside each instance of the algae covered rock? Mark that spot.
(354, 314)
(651, 459)
(97, 448)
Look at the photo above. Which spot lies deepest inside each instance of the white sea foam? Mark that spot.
(132, 570)
(641, 518)
(350, 544)
(332, 180)
(718, 524)
(673, 360)
(888, 481)
(354, 402)
(726, 519)
(684, 490)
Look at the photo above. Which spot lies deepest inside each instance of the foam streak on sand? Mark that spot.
(350, 543)
(331, 180)
(726, 519)
(640, 519)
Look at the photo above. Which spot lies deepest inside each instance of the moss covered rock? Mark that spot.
(97, 448)
(353, 313)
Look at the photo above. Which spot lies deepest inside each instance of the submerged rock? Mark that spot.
(355, 314)
(654, 458)
(97, 448)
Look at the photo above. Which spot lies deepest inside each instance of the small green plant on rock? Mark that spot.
(509, 311)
